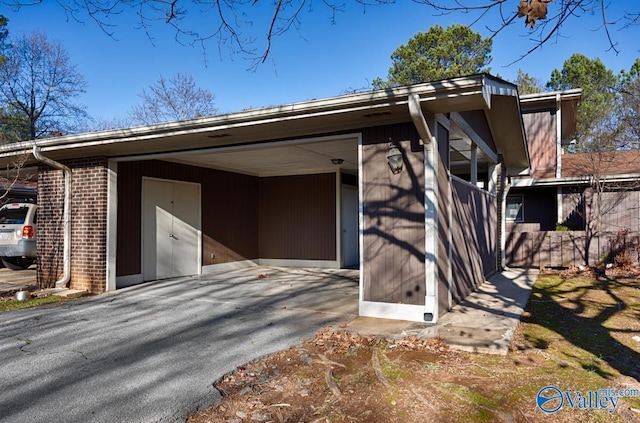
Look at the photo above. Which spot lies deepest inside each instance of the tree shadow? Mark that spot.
(569, 313)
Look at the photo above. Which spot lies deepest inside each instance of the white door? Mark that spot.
(350, 253)
(171, 240)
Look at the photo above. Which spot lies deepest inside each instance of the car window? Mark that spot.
(13, 216)
(35, 217)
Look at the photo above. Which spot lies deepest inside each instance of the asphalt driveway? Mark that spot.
(152, 352)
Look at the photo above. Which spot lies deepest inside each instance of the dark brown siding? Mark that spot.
(539, 209)
(540, 128)
(474, 230)
(444, 189)
(393, 264)
(562, 249)
(298, 217)
(229, 212)
(477, 120)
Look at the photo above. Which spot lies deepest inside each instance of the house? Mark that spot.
(314, 184)
(551, 213)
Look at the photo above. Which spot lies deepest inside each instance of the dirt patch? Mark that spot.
(577, 334)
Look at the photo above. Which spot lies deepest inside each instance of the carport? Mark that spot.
(303, 185)
(286, 203)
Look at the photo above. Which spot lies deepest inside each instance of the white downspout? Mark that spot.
(66, 254)
(430, 208)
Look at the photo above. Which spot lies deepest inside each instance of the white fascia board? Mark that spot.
(529, 182)
(309, 109)
(572, 94)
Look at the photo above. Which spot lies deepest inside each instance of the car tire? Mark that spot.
(17, 263)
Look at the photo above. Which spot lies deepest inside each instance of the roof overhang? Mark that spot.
(343, 114)
(566, 101)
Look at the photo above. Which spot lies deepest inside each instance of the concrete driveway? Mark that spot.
(152, 352)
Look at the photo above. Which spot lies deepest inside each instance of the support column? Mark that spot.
(474, 164)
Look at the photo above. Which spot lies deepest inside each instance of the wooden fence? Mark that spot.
(563, 249)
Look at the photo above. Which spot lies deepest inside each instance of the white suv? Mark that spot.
(18, 234)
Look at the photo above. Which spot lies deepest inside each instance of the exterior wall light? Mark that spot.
(394, 159)
(337, 161)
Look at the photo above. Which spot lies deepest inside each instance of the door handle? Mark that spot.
(172, 236)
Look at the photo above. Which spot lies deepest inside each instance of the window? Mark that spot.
(11, 215)
(515, 208)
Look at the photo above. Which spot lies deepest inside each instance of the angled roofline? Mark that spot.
(333, 114)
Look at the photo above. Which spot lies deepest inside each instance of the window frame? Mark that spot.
(520, 216)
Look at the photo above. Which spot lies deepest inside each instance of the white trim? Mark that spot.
(443, 90)
(247, 146)
(506, 218)
(129, 280)
(474, 163)
(450, 242)
(474, 136)
(472, 186)
(360, 225)
(111, 282)
(227, 267)
(579, 180)
(431, 159)
(325, 264)
(559, 217)
(338, 211)
(408, 312)
(558, 135)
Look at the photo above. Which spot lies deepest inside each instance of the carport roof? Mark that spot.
(497, 98)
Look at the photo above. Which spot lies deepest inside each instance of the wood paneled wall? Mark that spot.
(298, 217)
(474, 234)
(229, 212)
(394, 254)
(540, 127)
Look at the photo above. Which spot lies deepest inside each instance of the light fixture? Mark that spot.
(394, 159)
(337, 161)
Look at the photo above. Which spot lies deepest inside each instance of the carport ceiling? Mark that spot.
(284, 158)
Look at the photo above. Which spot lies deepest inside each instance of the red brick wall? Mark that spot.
(88, 227)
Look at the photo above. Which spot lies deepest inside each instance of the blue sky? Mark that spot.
(321, 60)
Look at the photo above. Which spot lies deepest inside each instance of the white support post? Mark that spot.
(474, 164)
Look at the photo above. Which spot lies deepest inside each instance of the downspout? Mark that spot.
(66, 254)
(430, 208)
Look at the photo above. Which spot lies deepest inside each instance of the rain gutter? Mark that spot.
(66, 273)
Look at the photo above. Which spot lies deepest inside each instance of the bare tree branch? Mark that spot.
(249, 27)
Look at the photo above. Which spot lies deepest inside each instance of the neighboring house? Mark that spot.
(305, 184)
(551, 214)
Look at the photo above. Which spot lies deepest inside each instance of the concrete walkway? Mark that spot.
(484, 322)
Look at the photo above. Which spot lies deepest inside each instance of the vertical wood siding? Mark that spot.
(539, 209)
(540, 128)
(229, 212)
(444, 204)
(298, 217)
(474, 231)
(563, 249)
(393, 221)
(528, 246)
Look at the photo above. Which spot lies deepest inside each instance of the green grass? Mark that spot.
(33, 302)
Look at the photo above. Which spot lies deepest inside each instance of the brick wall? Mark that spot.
(88, 227)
